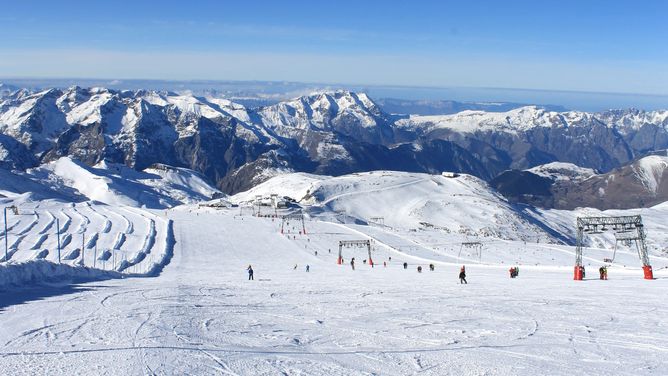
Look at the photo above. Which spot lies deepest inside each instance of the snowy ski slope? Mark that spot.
(202, 315)
(199, 314)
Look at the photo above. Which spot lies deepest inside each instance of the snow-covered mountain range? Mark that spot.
(639, 183)
(331, 133)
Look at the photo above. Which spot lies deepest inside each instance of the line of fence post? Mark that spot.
(6, 237)
(83, 248)
(58, 237)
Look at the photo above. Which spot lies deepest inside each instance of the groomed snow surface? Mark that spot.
(200, 314)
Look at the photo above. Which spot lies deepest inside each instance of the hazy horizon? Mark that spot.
(279, 90)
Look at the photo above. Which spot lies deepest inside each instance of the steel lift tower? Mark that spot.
(354, 243)
(627, 228)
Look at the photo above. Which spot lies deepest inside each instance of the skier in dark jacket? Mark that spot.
(250, 273)
(462, 275)
(352, 263)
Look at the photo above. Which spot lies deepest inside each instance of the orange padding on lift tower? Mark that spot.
(647, 269)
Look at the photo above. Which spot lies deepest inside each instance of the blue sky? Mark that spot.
(601, 46)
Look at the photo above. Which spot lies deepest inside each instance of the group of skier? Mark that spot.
(419, 268)
(462, 271)
(514, 271)
(603, 272)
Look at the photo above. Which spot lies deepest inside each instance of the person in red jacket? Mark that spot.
(462, 275)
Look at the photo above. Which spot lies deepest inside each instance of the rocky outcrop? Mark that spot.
(637, 184)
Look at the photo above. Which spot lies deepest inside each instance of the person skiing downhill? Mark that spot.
(462, 275)
(250, 273)
(308, 268)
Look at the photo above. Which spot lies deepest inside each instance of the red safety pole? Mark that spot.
(577, 275)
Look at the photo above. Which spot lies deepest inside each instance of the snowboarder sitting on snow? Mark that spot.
(462, 275)
(431, 267)
(405, 265)
(250, 272)
(419, 269)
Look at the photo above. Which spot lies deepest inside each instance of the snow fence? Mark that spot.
(41, 271)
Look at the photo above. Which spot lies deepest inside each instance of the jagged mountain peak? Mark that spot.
(516, 120)
(338, 100)
(325, 110)
(631, 120)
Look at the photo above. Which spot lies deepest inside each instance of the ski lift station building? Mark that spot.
(449, 174)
